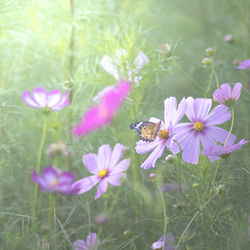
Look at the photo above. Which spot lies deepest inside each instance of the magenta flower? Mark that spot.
(202, 129)
(105, 169)
(91, 243)
(55, 180)
(47, 100)
(165, 137)
(169, 240)
(103, 113)
(214, 153)
(225, 95)
(244, 65)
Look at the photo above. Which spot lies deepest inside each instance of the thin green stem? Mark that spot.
(215, 74)
(165, 217)
(50, 209)
(38, 166)
(231, 128)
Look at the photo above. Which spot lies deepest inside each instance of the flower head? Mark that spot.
(244, 65)
(225, 95)
(228, 38)
(169, 239)
(165, 137)
(202, 129)
(217, 151)
(91, 243)
(55, 180)
(46, 100)
(118, 67)
(103, 113)
(105, 168)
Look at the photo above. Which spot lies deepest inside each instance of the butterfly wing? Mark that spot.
(147, 131)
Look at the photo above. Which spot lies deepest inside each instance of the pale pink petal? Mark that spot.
(80, 245)
(153, 157)
(121, 166)
(219, 115)
(116, 179)
(117, 154)
(226, 90)
(90, 161)
(236, 91)
(28, 99)
(104, 156)
(102, 188)
(53, 98)
(40, 96)
(155, 120)
(143, 147)
(63, 102)
(86, 184)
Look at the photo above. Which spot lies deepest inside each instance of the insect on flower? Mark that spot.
(147, 131)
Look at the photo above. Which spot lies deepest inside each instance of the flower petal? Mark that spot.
(90, 161)
(117, 154)
(102, 188)
(85, 184)
(143, 147)
(80, 245)
(102, 93)
(104, 156)
(53, 98)
(116, 179)
(218, 115)
(236, 91)
(29, 100)
(64, 101)
(121, 166)
(40, 96)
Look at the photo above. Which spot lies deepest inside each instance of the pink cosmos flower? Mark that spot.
(202, 129)
(115, 65)
(55, 180)
(244, 65)
(225, 95)
(103, 113)
(165, 137)
(169, 240)
(91, 243)
(214, 153)
(105, 168)
(48, 100)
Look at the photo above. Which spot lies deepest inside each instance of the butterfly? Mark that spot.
(147, 131)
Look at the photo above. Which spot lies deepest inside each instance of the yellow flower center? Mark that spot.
(54, 183)
(198, 126)
(163, 134)
(103, 173)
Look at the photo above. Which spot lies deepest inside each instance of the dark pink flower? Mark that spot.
(48, 100)
(105, 168)
(225, 95)
(91, 243)
(55, 180)
(202, 129)
(217, 151)
(244, 65)
(103, 113)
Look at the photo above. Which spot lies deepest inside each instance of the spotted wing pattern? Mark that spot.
(147, 131)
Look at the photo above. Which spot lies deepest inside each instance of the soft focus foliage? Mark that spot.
(59, 45)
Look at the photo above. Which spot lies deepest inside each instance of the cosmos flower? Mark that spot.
(105, 168)
(225, 95)
(244, 65)
(118, 67)
(91, 243)
(214, 153)
(169, 239)
(165, 137)
(103, 113)
(46, 100)
(55, 180)
(202, 129)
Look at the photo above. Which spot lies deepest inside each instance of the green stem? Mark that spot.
(165, 217)
(50, 209)
(38, 166)
(215, 74)
(231, 128)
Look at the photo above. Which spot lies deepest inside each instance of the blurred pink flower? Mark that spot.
(228, 38)
(225, 95)
(47, 100)
(91, 243)
(54, 180)
(115, 65)
(202, 129)
(105, 168)
(169, 240)
(217, 151)
(244, 65)
(103, 113)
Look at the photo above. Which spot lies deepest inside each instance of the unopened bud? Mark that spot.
(206, 61)
(195, 185)
(169, 158)
(101, 219)
(165, 49)
(209, 51)
(152, 176)
(228, 38)
(220, 189)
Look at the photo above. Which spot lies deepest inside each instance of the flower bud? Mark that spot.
(101, 219)
(165, 49)
(220, 189)
(209, 51)
(228, 38)
(169, 158)
(195, 185)
(152, 176)
(206, 61)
